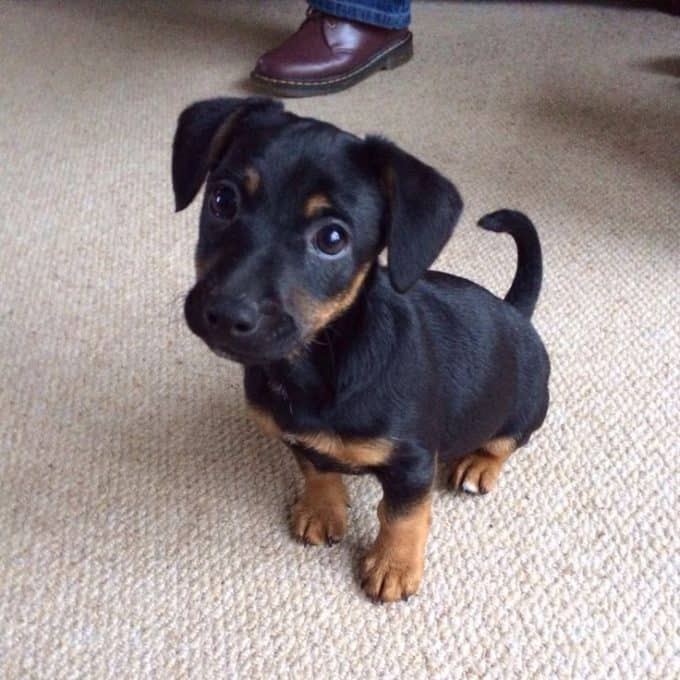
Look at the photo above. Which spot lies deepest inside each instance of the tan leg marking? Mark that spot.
(320, 514)
(393, 567)
(478, 471)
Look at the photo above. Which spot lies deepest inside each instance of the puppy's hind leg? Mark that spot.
(477, 473)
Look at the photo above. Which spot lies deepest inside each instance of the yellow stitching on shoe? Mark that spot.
(314, 83)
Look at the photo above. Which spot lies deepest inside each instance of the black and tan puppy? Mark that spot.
(358, 368)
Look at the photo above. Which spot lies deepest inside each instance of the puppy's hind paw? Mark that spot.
(476, 473)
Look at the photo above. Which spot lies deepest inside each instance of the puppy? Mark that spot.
(356, 367)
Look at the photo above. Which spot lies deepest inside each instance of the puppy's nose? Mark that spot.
(239, 318)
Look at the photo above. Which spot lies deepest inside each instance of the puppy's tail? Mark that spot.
(526, 285)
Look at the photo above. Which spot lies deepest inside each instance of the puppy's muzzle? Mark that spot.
(241, 327)
(239, 319)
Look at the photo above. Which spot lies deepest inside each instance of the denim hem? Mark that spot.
(358, 11)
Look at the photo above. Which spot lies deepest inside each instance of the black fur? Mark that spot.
(526, 286)
(429, 361)
(193, 154)
(423, 209)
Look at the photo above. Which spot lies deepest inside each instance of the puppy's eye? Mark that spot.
(331, 239)
(224, 202)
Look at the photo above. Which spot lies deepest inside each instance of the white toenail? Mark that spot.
(470, 487)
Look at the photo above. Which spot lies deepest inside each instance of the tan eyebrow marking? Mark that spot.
(315, 204)
(252, 180)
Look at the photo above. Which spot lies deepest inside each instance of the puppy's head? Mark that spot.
(294, 215)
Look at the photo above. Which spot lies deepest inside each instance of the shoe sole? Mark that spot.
(393, 57)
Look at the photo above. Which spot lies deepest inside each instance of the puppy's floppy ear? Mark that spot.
(423, 208)
(203, 133)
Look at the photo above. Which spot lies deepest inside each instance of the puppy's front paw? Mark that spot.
(387, 577)
(476, 473)
(315, 520)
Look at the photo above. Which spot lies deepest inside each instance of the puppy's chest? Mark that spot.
(295, 423)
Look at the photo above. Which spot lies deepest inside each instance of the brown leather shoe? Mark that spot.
(328, 54)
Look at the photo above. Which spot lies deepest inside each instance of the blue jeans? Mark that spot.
(385, 13)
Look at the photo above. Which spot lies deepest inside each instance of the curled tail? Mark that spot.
(526, 285)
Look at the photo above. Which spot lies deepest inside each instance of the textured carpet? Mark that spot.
(143, 519)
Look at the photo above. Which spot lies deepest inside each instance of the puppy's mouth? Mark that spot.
(267, 346)
(255, 356)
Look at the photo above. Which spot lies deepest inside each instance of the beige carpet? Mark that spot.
(143, 519)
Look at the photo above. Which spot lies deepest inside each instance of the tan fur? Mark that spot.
(314, 205)
(388, 180)
(354, 452)
(332, 308)
(252, 180)
(478, 471)
(501, 448)
(221, 137)
(320, 514)
(265, 422)
(316, 314)
(350, 451)
(202, 266)
(393, 567)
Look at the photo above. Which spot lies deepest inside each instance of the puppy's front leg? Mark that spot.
(393, 567)
(320, 514)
